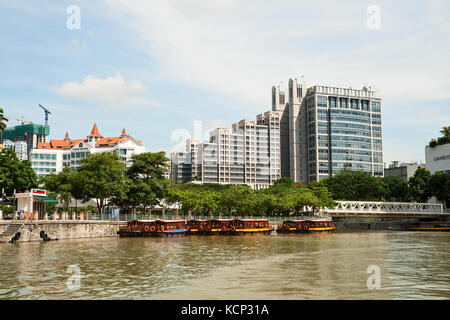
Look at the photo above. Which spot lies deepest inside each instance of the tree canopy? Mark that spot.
(14, 174)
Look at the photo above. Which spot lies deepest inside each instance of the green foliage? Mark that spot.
(284, 197)
(51, 207)
(419, 185)
(441, 140)
(354, 186)
(396, 189)
(7, 210)
(15, 174)
(103, 177)
(145, 184)
(61, 184)
(440, 187)
(3, 124)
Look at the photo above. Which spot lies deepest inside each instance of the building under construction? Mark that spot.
(32, 134)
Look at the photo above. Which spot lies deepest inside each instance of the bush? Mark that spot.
(433, 143)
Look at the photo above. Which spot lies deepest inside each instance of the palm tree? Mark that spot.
(3, 122)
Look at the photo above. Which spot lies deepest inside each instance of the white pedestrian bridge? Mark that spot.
(387, 209)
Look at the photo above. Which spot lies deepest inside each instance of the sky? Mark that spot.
(170, 70)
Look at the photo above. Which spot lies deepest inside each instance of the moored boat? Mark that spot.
(250, 227)
(431, 226)
(318, 225)
(196, 226)
(153, 228)
(219, 226)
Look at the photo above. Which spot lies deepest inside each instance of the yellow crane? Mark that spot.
(17, 119)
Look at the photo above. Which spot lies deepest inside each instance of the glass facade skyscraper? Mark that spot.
(329, 129)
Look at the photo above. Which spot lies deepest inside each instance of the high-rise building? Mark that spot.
(247, 154)
(326, 129)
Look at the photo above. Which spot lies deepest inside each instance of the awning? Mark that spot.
(47, 199)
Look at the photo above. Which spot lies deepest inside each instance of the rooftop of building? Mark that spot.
(100, 141)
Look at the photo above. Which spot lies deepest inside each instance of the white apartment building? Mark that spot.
(249, 154)
(19, 147)
(52, 157)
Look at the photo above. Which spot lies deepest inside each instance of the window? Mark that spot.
(321, 101)
(354, 104)
(332, 102)
(376, 106)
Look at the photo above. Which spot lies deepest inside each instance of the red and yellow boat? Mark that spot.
(196, 226)
(306, 226)
(153, 228)
(251, 227)
(431, 226)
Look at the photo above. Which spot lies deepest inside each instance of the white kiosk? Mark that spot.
(32, 204)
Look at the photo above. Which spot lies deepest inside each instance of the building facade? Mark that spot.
(402, 170)
(249, 153)
(437, 159)
(19, 147)
(52, 157)
(326, 129)
(31, 134)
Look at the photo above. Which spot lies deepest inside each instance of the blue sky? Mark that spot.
(155, 67)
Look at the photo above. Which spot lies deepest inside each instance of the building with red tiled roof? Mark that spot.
(52, 157)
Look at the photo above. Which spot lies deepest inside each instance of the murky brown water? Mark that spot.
(413, 265)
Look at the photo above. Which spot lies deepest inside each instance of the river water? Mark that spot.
(412, 265)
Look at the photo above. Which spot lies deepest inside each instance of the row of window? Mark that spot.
(355, 104)
(44, 156)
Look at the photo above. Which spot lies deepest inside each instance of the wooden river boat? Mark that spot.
(196, 226)
(431, 226)
(306, 226)
(251, 227)
(153, 228)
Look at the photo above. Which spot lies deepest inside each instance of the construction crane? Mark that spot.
(46, 113)
(17, 119)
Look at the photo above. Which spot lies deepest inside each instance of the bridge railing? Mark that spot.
(386, 208)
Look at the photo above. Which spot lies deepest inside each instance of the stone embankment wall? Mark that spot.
(362, 223)
(66, 230)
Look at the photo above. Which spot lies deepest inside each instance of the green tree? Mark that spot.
(147, 175)
(396, 189)
(446, 132)
(440, 187)
(61, 184)
(104, 177)
(14, 174)
(419, 185)
(354, 186)
(3, 124)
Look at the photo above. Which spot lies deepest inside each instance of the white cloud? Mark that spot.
(114, 90)
(243, 48)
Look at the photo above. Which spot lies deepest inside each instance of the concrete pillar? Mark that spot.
(1, 215)
(14, 216)
(45, 216)
(36, 216)
(72, 216)
(81, 216)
